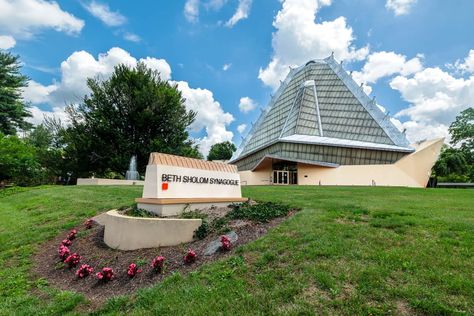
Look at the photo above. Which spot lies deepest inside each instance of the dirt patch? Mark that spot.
(89, 244)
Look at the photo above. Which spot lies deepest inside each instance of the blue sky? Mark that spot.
(413, 55)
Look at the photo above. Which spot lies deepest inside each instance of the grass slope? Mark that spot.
(351, 250)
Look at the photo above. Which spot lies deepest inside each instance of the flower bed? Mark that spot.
(91, 256)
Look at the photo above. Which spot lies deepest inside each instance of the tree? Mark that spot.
(456, 164)
(13, 110)
(221, 151)
(462, 130)
(134, 112)
(18, 162)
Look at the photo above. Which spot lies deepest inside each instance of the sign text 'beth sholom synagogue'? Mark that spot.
(195, 179)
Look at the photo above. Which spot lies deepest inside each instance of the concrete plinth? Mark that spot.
(173, 207)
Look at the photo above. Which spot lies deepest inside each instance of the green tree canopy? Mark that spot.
(13, 110)
(134, 112)
(462, 130)
(221, 151)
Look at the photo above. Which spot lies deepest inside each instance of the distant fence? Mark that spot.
(455, 185)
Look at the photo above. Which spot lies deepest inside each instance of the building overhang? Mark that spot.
(266, 158)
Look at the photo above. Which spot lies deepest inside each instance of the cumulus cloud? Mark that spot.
(103, 13)
(246, 104)
(383, 64)
(467, 65)
(435, 98)
(191, 10)
(131, 37)
(241, 128)
(400, 7)
(7, 42)
(241, 13)
(82, 65)
(299, 38)
(210, 116)
(24, 18)
(226, 67)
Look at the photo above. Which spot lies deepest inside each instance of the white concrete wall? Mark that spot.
(412, 170)
(100, 181)
(261, 177)
(129, 233)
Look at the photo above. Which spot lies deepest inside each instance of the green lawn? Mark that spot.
(349, 251)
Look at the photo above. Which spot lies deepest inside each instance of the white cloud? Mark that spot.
(159, 65)
(24, 18)
(7, 42)
(435, 98)
(82, 65)
(246, 104)
(400, 7)
(299, 38)
(468, 64)
(103, 13)
(226, 66)
(383, 64)
(215, 4)
(241, 128)
(241, 13)
(191, 10)
(132, 37)
(210, 116)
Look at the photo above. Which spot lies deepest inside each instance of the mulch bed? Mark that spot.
(89, 244)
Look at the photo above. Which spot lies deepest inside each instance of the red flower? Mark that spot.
(133, 270)
(72, 234)
(225, 243)
(88, 223)
(105, 275)
(190, 257)
(84, 271)
(63, 252)
(158, 264)
(66, 242)
(73, 260)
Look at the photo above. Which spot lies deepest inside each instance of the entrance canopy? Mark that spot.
(269, 159)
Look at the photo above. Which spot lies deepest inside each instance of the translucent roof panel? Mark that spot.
(321, 99)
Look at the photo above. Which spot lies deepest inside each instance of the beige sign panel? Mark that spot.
(173, 181)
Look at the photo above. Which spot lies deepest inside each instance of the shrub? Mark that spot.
(72, 260)
(261, 212)
(105, 275)
(158, 264)
(84, 271)
(88, 223)
(63, 252)
(202, 230)
(72, 234)
(190, 257)
(133, 270)
(225, 243)
(139, 212)
(66, 242)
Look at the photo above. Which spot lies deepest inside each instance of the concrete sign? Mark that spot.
(172, 182)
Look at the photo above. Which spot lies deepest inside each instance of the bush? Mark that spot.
(139, 212)
(105, 275)
(72, 234)
(133, 270)
(66, 242)
(225, 243)
(190, 257)
(63, 252)
(72, 260)
(261, 212)
(202, 230)
(84, 271)
(88, 223)
(158, 264)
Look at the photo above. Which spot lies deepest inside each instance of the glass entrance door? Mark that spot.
(280, 177)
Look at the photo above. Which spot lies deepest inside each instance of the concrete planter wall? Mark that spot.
(129, 233)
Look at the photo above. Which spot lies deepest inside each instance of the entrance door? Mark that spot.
(280, 177)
